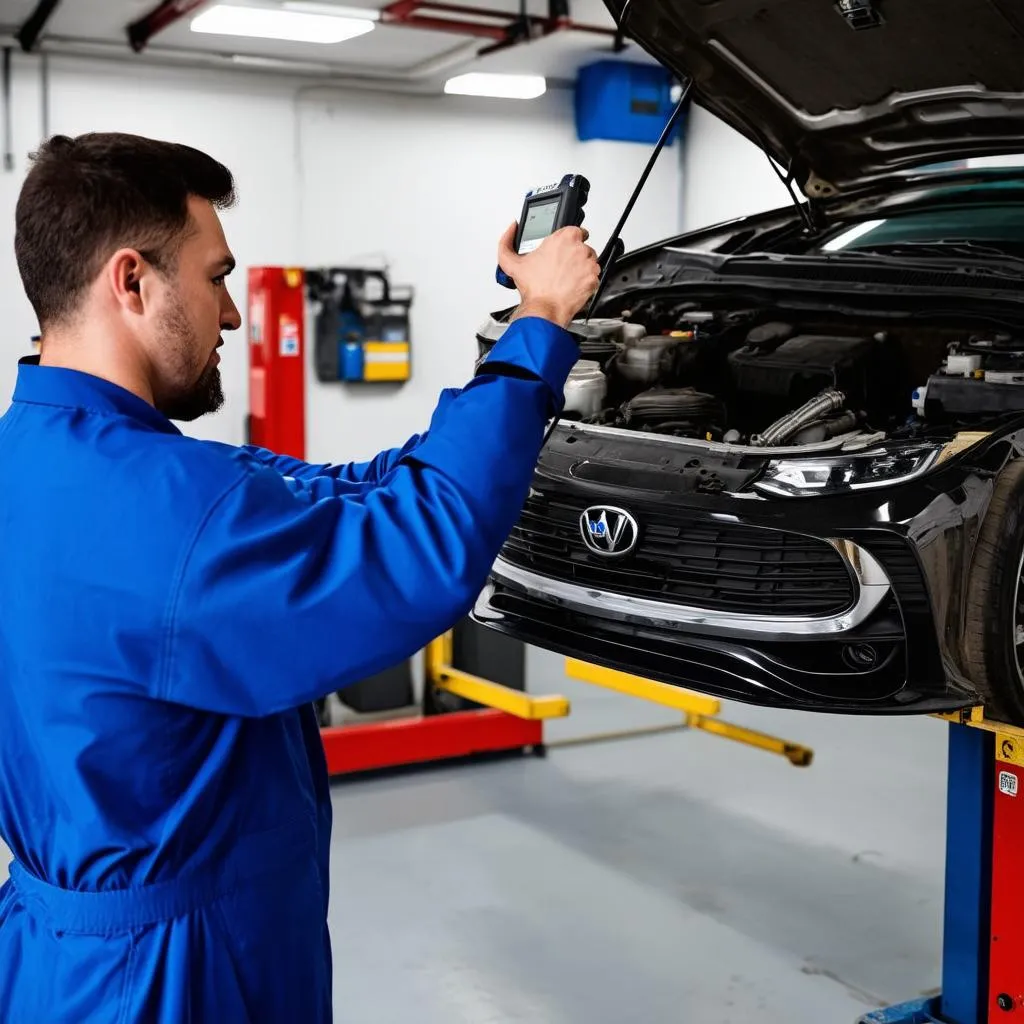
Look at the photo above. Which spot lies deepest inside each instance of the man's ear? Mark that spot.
(124, 273)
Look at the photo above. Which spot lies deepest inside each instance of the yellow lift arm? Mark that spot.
(699, 712)
(441, 674)
(1009, 738)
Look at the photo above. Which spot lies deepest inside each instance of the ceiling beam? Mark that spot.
(141, 31)
(29, 33)
(505, 28)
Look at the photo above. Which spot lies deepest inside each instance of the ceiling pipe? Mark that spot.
(505, 28)
(457, 57)
(512, 27)
(142, 30)
(29, 33)
(412, 80)
(8, 112)
(44, 94)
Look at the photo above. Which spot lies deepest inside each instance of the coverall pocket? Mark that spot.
(276, 938)
(51, 976)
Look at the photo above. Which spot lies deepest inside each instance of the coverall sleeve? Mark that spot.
(370, 472)
(346, 472)
(279, 602)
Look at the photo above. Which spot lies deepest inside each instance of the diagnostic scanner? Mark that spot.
(546, 210)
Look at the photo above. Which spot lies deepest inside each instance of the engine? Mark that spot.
(980, 379)
(778, 385)
(748, 379)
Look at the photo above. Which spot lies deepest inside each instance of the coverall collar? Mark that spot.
(73, 389)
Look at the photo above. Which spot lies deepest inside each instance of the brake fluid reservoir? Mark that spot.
(961, 365)
(585, 389)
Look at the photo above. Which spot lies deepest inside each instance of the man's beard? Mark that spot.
(206, 394)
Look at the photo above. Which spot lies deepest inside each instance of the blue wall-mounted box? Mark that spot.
(624, 102)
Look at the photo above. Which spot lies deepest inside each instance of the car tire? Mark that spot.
(995, 601)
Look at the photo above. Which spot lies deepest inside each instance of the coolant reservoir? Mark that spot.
(585, 389)
(605, 328)
(632, 333)
(642, 362)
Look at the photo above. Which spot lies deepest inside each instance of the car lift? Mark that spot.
(510, 719)
(699, 712)
(504, 718)
(983, 942)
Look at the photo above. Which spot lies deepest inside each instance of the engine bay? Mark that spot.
(756, 380)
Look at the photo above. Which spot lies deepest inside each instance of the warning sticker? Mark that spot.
(289, 337)
(1008, 783)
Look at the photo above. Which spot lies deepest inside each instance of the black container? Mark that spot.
(801, 367)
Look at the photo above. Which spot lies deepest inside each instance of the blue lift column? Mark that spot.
(967, 935)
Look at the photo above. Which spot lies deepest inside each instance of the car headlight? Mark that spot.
(884, 467)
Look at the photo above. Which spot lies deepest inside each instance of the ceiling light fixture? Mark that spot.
(275, 23)
(506, 87)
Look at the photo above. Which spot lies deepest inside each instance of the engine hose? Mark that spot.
(829, 401)
(818, 432)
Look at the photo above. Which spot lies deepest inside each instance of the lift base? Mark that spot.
(409, 741)
(920, 1011)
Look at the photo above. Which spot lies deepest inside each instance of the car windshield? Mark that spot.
(998, 227)
(979, 217)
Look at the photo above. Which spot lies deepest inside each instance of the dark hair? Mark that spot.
(87, 197)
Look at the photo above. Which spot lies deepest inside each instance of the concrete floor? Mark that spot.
(671, 878)
(665, 879)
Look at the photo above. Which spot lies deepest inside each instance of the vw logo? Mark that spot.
(609, 531)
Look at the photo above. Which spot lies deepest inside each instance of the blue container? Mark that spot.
(624, 102)
(352, 361)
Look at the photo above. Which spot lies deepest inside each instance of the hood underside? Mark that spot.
(845, 92)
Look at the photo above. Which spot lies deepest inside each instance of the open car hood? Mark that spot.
(845, 92)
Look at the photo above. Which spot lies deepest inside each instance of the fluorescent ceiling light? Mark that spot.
(506, 87)
(276, 23)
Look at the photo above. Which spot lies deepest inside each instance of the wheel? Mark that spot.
(994, 619)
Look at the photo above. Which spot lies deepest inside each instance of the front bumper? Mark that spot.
(862, 668)
(894, 649)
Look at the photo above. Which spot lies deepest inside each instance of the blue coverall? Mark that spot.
(170, 609)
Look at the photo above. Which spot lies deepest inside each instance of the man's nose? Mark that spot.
(231, 319)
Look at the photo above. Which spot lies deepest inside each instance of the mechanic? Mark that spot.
(172, 606)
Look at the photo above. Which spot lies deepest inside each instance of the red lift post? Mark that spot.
(511, 719)
(983, 941)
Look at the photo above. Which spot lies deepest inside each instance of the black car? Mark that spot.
(790, 467)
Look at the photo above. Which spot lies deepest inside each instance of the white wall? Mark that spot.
(328, 177)
(724, 175)
(418, 149)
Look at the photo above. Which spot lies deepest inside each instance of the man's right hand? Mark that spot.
(557, 279)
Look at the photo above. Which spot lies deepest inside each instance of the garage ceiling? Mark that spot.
(423, 56)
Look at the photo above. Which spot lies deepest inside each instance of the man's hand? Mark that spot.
(555, 280)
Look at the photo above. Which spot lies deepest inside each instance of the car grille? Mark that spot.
(721, 567)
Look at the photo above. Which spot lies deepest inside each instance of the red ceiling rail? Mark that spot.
(506, 28)
(512, 27)
(141, 31)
